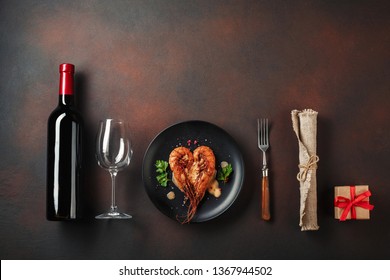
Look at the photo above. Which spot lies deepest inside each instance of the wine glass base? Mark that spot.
(113, 215)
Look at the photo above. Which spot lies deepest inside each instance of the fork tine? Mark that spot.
(267, 133)
(258, 132)
(262, 131)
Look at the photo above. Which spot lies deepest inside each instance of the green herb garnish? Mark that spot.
(224, 172)
(162, 174)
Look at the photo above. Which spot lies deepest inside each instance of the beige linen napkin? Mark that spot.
(305, 127)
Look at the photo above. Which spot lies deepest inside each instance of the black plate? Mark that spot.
(192, 134)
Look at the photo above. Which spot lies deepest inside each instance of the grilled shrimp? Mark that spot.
(201, 174)
(202, 171)
(180, 161)
(192, 173)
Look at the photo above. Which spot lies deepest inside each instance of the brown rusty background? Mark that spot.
(156, 63)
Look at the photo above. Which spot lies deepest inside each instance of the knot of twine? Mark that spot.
(311, 164)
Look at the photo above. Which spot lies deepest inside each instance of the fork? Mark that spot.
(263, 144)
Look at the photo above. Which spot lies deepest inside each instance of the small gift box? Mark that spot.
(352, 202)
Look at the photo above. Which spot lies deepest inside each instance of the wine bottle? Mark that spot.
(64, 153)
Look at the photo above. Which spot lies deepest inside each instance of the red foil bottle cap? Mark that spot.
(66, 79)
(66, 67)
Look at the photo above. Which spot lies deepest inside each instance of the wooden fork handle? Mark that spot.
(265, 213)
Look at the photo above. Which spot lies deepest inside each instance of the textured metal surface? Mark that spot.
(155, 63)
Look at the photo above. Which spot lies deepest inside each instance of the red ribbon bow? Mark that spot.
(350, 204)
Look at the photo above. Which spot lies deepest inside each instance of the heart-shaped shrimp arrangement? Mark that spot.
(192, 173)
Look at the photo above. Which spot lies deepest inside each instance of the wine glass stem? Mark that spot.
(113, 174)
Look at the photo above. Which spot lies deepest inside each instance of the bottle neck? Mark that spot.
(66, 99)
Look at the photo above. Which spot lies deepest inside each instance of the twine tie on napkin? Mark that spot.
(311, 164)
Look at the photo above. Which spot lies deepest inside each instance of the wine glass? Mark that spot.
(113, 153)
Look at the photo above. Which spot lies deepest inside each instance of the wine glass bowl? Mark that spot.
(113, 153)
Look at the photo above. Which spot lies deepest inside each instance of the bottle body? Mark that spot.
(64, 156)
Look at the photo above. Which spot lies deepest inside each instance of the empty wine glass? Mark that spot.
(113, 153)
